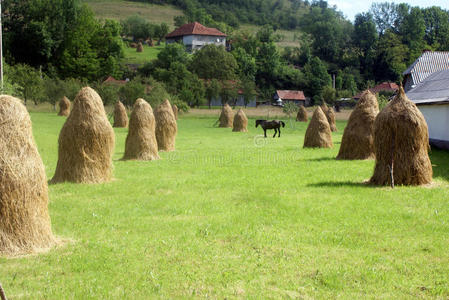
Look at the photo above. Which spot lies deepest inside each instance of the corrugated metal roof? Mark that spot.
(434, 89)
(291, 95)
(428, 63)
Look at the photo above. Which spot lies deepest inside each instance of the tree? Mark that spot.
(131, 91)
(248, 88)
(29, 82)
(161, 31)
(213, 62)
(391, 57)
(316, 76)
(365, 39)
(54, 90)
(212, 90)
(228, 92)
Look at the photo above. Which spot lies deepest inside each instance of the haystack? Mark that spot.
(141, 141)
(166, 127)
(64, 107)
(318, 133)
(86, 142)
(25, 224)
(358, 137)
(301, 116)
(226, 117)
(330, 115)
(401, 143)
(240, 123)
(324, 107)
(120, 115)
(139, 47)
(175, 111)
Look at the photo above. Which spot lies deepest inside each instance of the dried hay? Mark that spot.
(301, 116)
(175, 111)
(25, 225)
(166, 127)
(358, 137)
(86, 142)
(141, 141)
(139, 47)
(324, 107)
(64, 107)
(120, 115)
(226, 117)
(240, 123)
(401, 139)
(318, 133)
(330, 115)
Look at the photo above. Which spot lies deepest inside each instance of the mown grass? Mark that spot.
(233, 215)
(119, 10)
(148, 54)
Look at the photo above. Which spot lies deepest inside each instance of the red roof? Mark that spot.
(291, 95)
(111, 79)
(383, 87)
(194, 29)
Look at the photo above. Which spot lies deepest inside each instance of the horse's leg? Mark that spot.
(279, 135)
(275, 131)
(265, 132)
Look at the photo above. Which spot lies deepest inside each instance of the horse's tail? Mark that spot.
(282, 123)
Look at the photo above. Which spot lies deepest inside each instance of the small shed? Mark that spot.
(432, 98)
(291, 96)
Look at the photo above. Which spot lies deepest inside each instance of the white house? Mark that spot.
(194, 36)
(432, 98)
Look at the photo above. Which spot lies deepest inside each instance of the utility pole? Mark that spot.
(1, 48)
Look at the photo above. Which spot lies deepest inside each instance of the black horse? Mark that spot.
(273, 124)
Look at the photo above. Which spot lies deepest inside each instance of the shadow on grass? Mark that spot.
(440, 161)
(341, 184)
(320, 159)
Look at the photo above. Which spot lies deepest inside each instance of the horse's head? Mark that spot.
(258, 122)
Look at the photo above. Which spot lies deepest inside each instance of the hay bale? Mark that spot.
(401, 136)
(139, 47)
(133, 45)
(64, 107)
(25, 225)
(301, 116)
(86, 142)
(226, 117)
(240, 123)
(330, 115)
(141, 141)
(166, 127)
(358, 136)
(175, 111)
(318, 133)
(120, 115)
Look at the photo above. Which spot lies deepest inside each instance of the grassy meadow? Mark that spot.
(233, 215)
(148, 54)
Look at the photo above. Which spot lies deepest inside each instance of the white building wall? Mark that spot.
(437, 118)
(198, 41)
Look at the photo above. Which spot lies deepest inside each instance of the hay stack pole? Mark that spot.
(120, 115)
(25, 225)
(141, 141)
(86, 142)
(226, 117)
(240, 123)
(301, 116)
(330, 115)
(64, 107)
(318, 133)
(175, 110)
(401, 144)
(358, 137)
(139, 47)
(166, 127)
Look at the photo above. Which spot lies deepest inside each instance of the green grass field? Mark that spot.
(120, 9)
(233, 215)
(148, 54)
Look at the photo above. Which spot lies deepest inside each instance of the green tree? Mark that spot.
(248, 88)
(213, 62)
(212, 90)
(29, 83)
(131, 91)
(228, 92)
(316, 76)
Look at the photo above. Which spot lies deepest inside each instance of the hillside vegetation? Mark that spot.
(120, 10)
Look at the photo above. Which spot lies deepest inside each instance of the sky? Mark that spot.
(352, 7)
